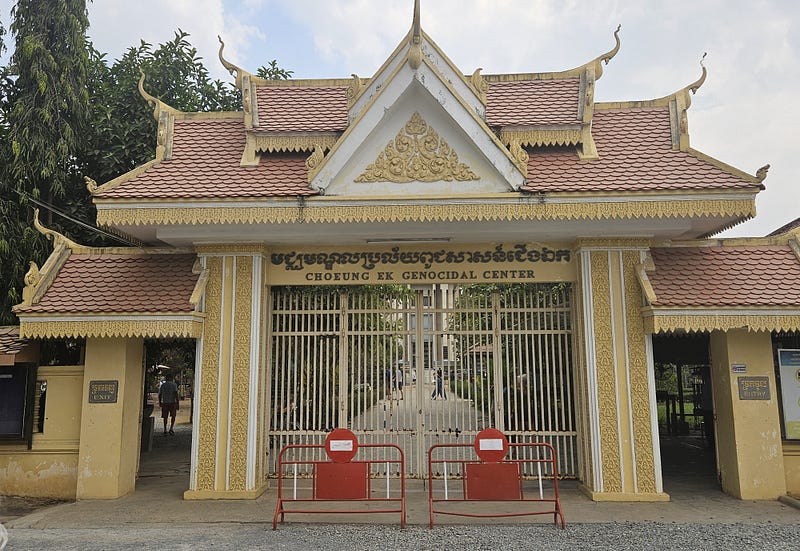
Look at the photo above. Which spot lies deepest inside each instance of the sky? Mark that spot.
(742, 115)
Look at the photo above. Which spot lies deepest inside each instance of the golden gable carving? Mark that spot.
(417, 154)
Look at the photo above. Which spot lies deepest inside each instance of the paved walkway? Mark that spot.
(164, 477)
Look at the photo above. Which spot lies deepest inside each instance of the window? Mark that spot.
(17, 384)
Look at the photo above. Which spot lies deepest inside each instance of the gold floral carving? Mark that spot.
(582, 390)
(605, 367)
(540, 137)
(639, 387)
(721, 322)
(53, 329)
(241, 374)
(354, 90)
(520, 157)
(33, 277)
(417, 154)
(209, 379)
(320, 213)
(314, 161)
(479, 84)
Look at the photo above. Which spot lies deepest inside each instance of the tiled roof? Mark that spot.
(766, 275)
(635, 149)
(533, 103)
(125, 283)
(10, 343)
(205, 164)
(302, 109)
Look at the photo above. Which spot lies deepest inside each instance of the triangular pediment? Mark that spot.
(419, 131)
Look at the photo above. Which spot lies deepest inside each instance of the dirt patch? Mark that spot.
(12, 507)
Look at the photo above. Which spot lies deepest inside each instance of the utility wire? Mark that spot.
(80, 223)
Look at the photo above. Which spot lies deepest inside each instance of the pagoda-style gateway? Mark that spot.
(501, 235)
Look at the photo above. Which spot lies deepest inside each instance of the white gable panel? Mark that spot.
(417, 100)
(436, 58)
(385, 116)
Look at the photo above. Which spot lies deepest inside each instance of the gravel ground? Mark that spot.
(619, 536)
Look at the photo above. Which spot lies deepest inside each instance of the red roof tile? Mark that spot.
(10, 343)
(635, 149)
(302, 109)
(205, 164)
(533, 103)
(767, 275)
(126, 283)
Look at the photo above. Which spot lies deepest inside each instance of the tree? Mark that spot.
(44, 109)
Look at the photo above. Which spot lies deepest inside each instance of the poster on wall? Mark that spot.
(789, 363)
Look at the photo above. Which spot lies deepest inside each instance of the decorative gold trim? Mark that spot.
(354, 90)
(209, 380)
(57, 239)
(417, 154)
(761, 173)
(91, 185)
(32, 329)
(190, 495)
(540, 137)
(284, 143)
(479, 85)
(315, 161)
(415, 52)
(639, 388)
(242, 326)
(622, 496)
(657, 322)
(520, 156)
(239, 72)
(228, 249)
(320, 213)
(605, 369)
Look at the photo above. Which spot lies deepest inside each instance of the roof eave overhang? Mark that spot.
(114, 325)
(661, 319)
(728, 205)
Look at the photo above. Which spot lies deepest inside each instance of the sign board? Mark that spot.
(753, 388)
(738, 368)
(421, 264)
(103, 392)
(789, 366)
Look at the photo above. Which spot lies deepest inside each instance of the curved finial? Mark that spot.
(225, 63)
(33, 276)
(416, 28)
(608, 56)
(91, 185)
(157, 104)
(761, 173)
(697, 84)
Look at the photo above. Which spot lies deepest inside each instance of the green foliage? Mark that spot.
(271, 71)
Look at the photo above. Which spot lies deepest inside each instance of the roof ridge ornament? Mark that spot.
(158, 105)
(695, 86)
(606, 57)
(415, 53)
(237, 72)
(57, 238)
(761, 173)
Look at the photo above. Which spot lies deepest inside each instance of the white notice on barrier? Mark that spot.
(491, 444)
(341, 445)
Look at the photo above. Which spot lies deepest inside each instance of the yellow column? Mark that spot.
(619, 425)
(749, 450)
(228, 435)
(109, 441)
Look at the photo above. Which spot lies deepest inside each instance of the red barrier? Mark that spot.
(341, 479)
(488, 476)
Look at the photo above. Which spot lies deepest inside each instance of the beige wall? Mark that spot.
(50, 468)
(791, 461)
(749, 450)
(110, 431)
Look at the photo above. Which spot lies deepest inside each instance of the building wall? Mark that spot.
(791, 462)
(749, 449)
(50, 468)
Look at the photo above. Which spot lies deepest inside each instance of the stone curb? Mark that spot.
(791, 501)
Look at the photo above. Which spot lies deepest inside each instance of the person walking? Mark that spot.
(168, 401)
(398, 382)
(439, 391)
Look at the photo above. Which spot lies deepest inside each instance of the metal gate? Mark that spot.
(423, 365)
